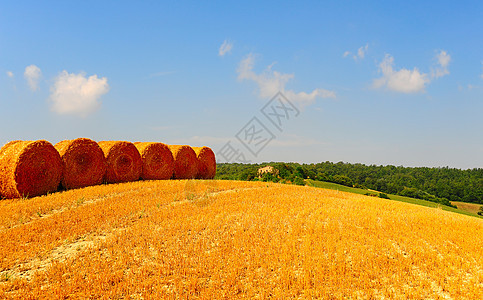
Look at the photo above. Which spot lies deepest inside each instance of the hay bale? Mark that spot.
(206, 162)
(83, 161)
(185, 162)
(29, 169)
(123, 161)
(158, 162)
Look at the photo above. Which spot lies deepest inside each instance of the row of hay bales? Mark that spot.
(33, 168)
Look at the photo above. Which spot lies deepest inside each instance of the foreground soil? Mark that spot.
(226, 239)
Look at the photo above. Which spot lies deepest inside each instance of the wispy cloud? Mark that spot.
(10, 74)
(468, 87)
(361, 53)
(76, 94)
(32, 74)
(403, 80)
(443, 60)
(225, 48)
(271, 82)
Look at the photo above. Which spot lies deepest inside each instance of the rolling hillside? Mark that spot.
(469, 209)
(234, 239)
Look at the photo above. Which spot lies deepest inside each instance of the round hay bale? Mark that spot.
(29, 169)
(206, 162)
(185, 162)
(123, 161)
(84, 163)
(158, 162)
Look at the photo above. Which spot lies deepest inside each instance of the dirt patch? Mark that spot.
(468, 207)
(59, 254)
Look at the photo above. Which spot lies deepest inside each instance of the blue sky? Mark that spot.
(374, 82)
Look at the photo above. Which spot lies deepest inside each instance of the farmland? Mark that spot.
(233, 239)
(470, 209)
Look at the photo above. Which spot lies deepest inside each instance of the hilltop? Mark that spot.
(234, 239)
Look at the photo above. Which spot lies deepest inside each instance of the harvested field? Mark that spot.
(152, 240)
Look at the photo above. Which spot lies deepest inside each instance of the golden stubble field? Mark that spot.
(223, 239)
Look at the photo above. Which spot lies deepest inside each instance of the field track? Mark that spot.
(231, 239)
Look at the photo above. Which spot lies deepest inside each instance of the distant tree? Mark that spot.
(266, 177)
(342, 179)
(384, 196)
(285, 170)
(298, 181)
(248, 174)
(321, 176)
(299, 171)
(310, 174)
(481, 211)
(410, 192)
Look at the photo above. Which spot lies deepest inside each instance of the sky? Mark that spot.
(372, 82)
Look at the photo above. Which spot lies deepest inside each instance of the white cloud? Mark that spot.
(10, 74)
(443, 59)
(76, 94)
(361, 53)
(404, 80)
(271, 82)
(225, 48)
(32, 74)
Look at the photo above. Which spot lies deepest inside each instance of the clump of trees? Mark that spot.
(440, 185)
(384, 196)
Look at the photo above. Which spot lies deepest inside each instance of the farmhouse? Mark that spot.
(267, 169)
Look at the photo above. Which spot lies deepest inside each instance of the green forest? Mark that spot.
(440, 185)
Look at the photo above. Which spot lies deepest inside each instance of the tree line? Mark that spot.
(440, 185)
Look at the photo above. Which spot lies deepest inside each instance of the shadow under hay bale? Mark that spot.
(29, 169)
(123, 161)
(158, 162)
(185, 162)
(206, 162)
(84, 163)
